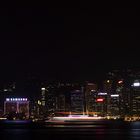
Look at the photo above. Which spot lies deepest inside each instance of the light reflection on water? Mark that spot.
(75, 126)
(17, 121)
(16, 134)
(17, 131)
(82, 132)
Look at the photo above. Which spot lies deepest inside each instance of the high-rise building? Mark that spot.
(7, 89)
(121, 91)
(43, 96)
(42, 103)
(108, 88)
(51, 99)
(114, 105)
(90, 96)
(77, 102)
(99, 106)
(60, 103)
(135, 98)
(17, 106)
(101, 103)
(35, 109)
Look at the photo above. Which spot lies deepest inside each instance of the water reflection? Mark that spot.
(16, 134)
(76, 126)
(108, 131)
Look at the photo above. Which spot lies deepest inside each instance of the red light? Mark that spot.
(100, 100)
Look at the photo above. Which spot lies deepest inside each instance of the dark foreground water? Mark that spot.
(95, 131)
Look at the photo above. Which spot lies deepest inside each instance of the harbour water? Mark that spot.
(115, 130)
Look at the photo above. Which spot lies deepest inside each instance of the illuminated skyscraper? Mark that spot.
(135, 98)
(43, 96)
(42, 103)
(114, 105)
(101, 103)
(108, 88)
(99, 106)
(60, 103)
(90, 96)
(17, 106)
(51, 99)
(123, 100)
(77, 102)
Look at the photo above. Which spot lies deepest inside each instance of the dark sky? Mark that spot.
(67, 43)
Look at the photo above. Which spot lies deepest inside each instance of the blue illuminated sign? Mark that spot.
(16, 99)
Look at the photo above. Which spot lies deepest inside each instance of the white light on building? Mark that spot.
(100, 93)
(93, 90)
(7, 99)
(136, 84)
(43, 88)
(115, 95)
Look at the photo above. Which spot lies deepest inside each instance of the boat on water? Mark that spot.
(81, 119)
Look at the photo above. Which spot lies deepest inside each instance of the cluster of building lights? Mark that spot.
(16, 99)
(102, 99)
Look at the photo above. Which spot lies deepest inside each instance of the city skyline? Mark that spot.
(116, 96)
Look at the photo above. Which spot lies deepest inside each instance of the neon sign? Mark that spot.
(16, 99)
(100, 100)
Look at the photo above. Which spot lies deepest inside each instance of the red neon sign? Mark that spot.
(100, 100)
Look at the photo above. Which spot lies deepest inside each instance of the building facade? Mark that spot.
(17, 106)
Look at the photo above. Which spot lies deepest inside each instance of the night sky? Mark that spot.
(67, 43)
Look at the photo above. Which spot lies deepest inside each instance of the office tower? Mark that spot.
(90, 95)
(42, 103)
(108, 88)
(35, 109)
(101, 103)
(43, 96)
(17, 106)
(7, 89)
(114, 105)
(135, 98)
(60, 103)
(51, 92)
(77, 102)
(99, 106)
(120, 90)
